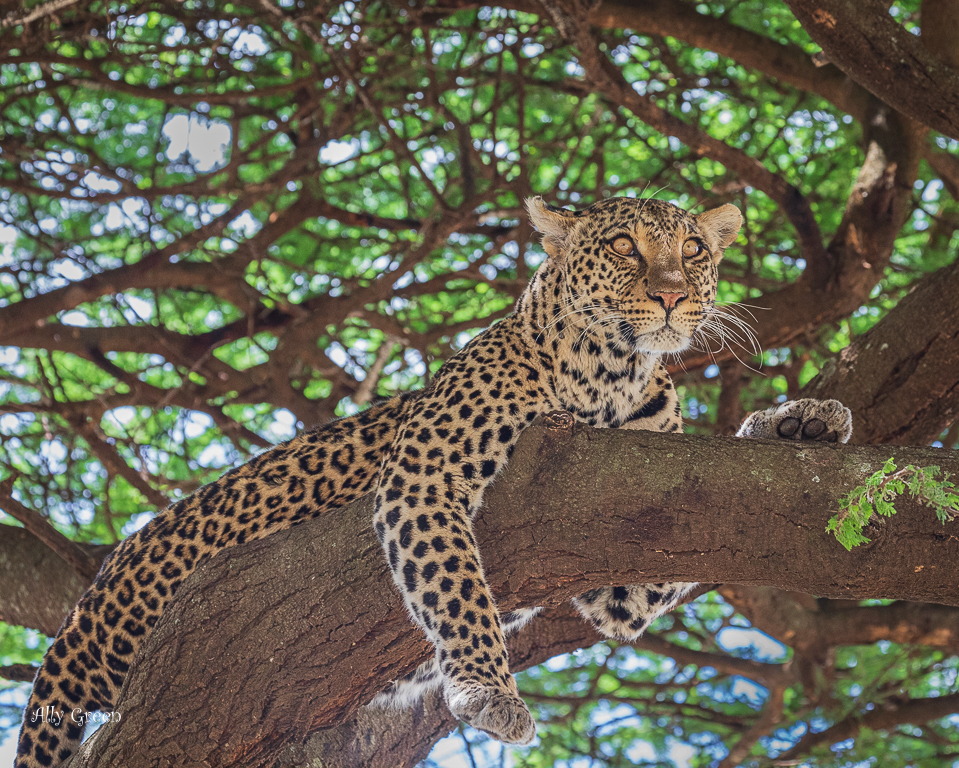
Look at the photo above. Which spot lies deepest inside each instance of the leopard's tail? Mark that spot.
(84, 669)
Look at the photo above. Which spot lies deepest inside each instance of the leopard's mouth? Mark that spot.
(644, 334)
(656, 331)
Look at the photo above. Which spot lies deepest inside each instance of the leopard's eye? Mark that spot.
(622, 245)
(692, 248)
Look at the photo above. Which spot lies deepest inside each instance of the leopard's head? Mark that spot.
(640, 272)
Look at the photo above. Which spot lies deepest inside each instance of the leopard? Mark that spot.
(625, 283)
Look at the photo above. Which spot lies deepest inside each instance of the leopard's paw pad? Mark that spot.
(824, 421)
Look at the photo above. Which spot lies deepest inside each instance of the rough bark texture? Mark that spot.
(900, 378)
(308, 625)
(877, 52)
(376, 738)
(39, 588)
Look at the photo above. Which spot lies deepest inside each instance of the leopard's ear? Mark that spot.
(720, 226)
(554, 223)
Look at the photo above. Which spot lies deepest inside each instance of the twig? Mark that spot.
(39, 12)
(367, 389)
(18, 673)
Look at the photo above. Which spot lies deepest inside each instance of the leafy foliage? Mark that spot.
(879, 493)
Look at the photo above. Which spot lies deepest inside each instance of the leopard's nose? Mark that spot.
(668, 300)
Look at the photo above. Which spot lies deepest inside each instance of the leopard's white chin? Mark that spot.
(664, 340)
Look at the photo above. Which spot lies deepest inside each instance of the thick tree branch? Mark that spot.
(901, 622)
(806, 623)
(880, 54)
(38, 587)
(301, 643)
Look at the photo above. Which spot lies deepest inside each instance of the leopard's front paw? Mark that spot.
(825, 421)
(502, 715)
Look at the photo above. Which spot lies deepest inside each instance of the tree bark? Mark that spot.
(308, 625)
(899, 379)
(876, 51)
(39, 588)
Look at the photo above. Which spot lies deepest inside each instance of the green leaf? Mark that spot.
(858, 506)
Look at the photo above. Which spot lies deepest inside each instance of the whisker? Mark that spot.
(740, 304)
(737, 331)
(737, 328)
(742, 338)
(733, 311)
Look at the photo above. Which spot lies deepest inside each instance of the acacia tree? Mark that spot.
(228, 221)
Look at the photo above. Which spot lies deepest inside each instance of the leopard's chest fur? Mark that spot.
(603, 391)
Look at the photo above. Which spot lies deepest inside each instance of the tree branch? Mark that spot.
(915, 711)
(38, 587)
(881, 55)
(771, 716)
(900, 379)
(804, 622)
(609, 81)
(18, 673)
(84, 564)
(301, 643)
(858, 253)
(786, 62)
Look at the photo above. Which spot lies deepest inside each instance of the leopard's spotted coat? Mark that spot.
(625, 281)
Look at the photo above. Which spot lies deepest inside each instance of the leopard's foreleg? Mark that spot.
(453, 442)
